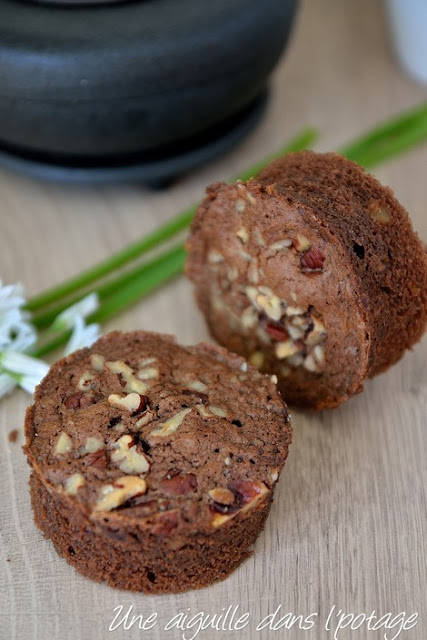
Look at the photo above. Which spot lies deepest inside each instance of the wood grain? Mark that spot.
(348, 526)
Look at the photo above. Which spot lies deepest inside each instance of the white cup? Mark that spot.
(408, 24)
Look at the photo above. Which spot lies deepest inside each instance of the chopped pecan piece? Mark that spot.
(176, 484)
(64, 444)
(245, 490)
(127, 458)
(97, 459)
(247, 493)
(170, 425)
(117, 494)
(132, 402)
(222, 500)
(73, 401)
(312, 260)
(73, 483)
(165, 523)
(276, 331)
(200, 398)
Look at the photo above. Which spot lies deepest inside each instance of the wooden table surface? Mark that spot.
(348, 526)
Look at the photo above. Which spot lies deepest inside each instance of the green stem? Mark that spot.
(53, 344)
(117, 260)
(44, 319)
(390, 148)
(166, 267)
(128, 290)
(392, 137)
(153, 239)
(12, 374)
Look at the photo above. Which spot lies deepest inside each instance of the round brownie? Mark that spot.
(313, 272)
(153, 465)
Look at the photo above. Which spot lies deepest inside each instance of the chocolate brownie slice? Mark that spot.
(153, 465)
(313, 272)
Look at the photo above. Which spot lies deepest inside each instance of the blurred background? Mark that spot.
(144, 91)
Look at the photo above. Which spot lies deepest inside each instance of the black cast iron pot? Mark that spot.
(133, 89)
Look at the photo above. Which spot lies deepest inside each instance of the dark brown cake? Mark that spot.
(313, 272)
(153, 465)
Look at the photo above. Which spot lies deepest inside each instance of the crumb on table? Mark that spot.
(13, 435)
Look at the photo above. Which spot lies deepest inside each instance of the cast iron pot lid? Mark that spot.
(146, 84)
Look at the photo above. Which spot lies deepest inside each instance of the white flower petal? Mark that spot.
(83, 308)
(76, 336)
(17, 337)
(12, 295)
(10, 316)
(12, 303)
(5, 290)
(23, 364)
(17, 334)
(82, 336)
(23, 341)
(9, 321)
(29, 383)
(7, 384)
(19, 290)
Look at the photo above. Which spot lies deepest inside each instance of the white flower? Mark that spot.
(17, 335)
(18, 368)
(81, 309)
(12, 296)
(82, 336)
(74, 318)
(16, 332)
(22, 364)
